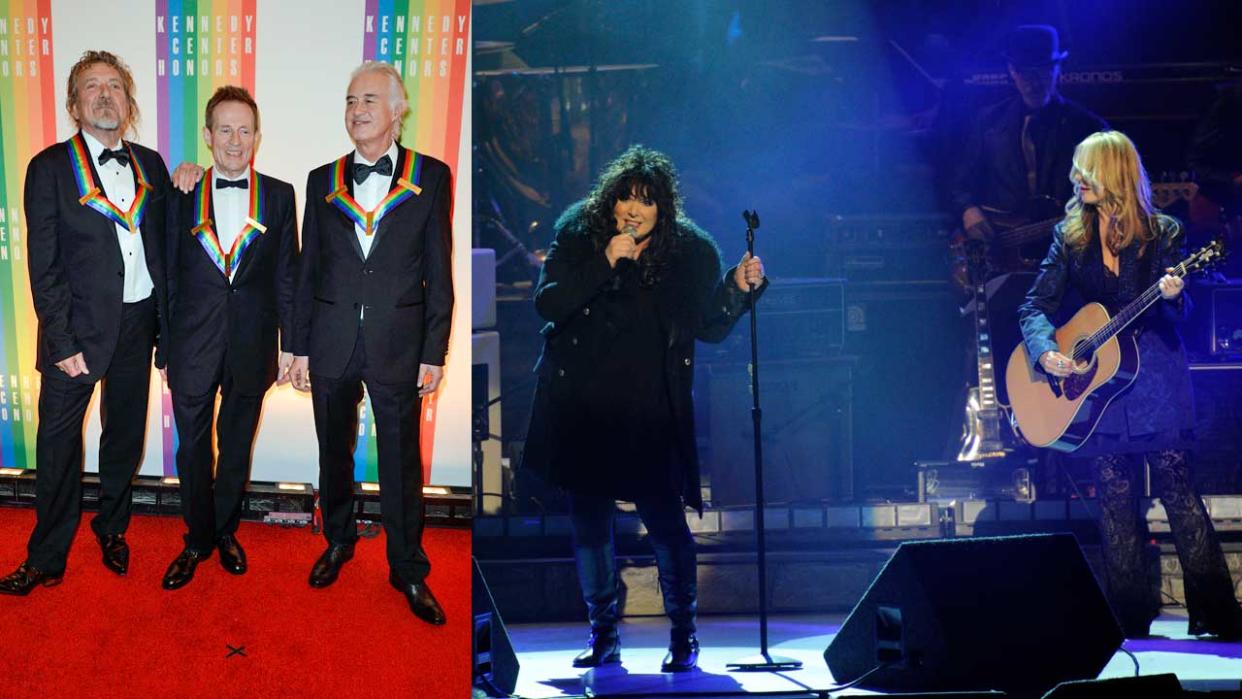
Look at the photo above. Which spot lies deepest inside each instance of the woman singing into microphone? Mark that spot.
(627, 287)
(1111, 246)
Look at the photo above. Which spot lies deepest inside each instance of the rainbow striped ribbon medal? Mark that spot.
(405, 186)
(226, 262)
(92, 195)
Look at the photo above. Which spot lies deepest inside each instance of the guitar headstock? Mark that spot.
(1206, 257)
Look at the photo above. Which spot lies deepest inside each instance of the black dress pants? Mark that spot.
(1209, 588)
(213, 509)
(59, 448)
(396, 412)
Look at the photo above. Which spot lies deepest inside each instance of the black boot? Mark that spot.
(603, 647)
(597, 575)
(683, 654)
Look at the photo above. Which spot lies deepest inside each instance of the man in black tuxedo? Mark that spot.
(374, 303)
(232, 257)
(95, 217)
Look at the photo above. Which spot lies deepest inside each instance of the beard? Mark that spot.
(105, 116)
(105, 123)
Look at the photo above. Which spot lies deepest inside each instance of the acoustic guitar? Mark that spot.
(1060, 413)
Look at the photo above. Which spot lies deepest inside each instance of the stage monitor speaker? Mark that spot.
(1148, 687)
(494, 665)
(1016, 614)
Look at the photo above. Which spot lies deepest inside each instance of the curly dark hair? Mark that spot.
(650, 174)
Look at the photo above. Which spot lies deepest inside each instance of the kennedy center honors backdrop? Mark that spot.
(295, 56)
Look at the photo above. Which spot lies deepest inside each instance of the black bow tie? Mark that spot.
(119, 155)
(243, 183)
(361, 172)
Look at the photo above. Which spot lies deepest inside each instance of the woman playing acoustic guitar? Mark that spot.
(1111, 246)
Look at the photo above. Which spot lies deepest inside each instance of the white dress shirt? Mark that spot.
(232, 206)
(371, 192)
(118, 185)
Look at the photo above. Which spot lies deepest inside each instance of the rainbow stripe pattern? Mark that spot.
(205, 232)
(200, 45)
(92, 195)
(28, 108)
(404, 187)
(428, 41)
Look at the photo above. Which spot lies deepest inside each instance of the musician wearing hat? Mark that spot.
(1017, 151)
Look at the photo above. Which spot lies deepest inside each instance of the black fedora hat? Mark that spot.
(1033, 45)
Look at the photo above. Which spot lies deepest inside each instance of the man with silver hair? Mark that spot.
(373, 306)
(94, 238)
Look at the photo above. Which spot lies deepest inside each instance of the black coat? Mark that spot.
(77, 275)
(210, 318)
(696, 301)
(990, 170)
(405, 283)
(1159, 405)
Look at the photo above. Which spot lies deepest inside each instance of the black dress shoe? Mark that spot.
(1223, 626)
(232, 556)
(420, 599)
(683, 655)
(329, 564)
(601, 648)
(115, 553)
(181, 570)
(25, 579)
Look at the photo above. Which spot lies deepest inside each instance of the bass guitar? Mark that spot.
(1015, 234)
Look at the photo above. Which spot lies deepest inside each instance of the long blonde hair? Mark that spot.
(1109, 161)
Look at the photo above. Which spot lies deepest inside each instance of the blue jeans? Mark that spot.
(594, 552)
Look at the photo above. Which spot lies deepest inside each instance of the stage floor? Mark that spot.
(545, 652)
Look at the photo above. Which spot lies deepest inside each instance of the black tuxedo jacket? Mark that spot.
(211, 319)
(77, 276)
(405, 284)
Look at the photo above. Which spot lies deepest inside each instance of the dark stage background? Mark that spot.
(836, 121)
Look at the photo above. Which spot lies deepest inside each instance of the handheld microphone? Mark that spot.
(624, 263)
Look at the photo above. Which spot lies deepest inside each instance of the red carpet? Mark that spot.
(97, 634)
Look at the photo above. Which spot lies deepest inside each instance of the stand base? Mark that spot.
(764, 662)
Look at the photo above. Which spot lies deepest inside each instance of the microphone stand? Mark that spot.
(764, 661)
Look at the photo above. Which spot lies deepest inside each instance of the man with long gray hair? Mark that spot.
(373, 306)
(94, 238)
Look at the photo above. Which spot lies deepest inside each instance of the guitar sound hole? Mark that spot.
(1088, 362)
(1077, 383)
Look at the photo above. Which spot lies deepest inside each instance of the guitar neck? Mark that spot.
(1123, 318)
(1163, 194)
(983, 352)
(1026, 234)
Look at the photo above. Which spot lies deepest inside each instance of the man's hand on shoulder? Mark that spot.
(186, 176)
